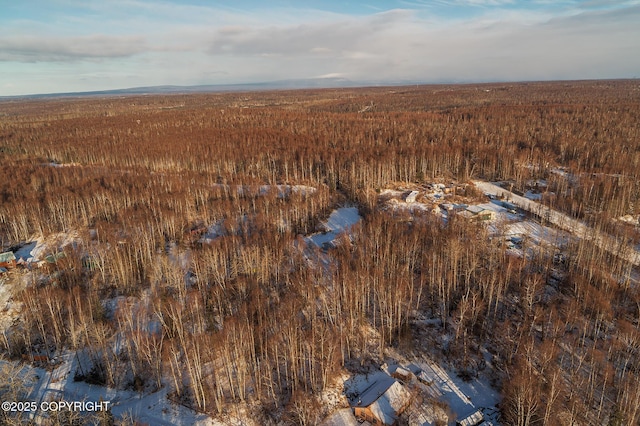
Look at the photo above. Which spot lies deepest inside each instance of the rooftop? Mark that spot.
(385, 398)
(475, 209)
(374, 391)
(7, 256)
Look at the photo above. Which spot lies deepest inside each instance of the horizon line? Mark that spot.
(287, 84)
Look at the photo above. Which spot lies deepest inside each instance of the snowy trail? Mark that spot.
(445, 387)
(464, 397)
(152, 409)
(563, 221)
(445, 383)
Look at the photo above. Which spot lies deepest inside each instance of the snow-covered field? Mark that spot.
(565, 222)
(536, 196)
(463, 397)
(538, 234)
(58, 385)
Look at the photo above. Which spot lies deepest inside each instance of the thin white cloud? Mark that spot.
(457, 3)
(344, 34)
(607, 4)
(331, 75)
(48, 49)
(477, 2)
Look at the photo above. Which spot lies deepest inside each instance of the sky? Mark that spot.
(54, 46)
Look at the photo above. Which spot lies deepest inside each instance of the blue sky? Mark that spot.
(50, 46)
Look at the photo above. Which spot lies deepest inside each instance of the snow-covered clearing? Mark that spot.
(58, 385)
(463, 397)
(39, 247)
(537, 234)
(410, 207)
(282, 191)
(28, 254)
(338, 225)
(391, 193)
(563, 221)
(427, 198)
(340, 221)
(503, 214)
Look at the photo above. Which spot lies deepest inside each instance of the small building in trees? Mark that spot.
(447, 206)
(382, 402)
(411, 197)
(401, 374)
(7, 260)
(478, 213)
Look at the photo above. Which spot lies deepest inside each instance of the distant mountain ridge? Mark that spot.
(313, 83)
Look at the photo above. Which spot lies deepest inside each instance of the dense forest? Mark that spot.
(125, 188)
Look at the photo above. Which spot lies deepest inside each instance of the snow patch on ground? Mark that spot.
(538, 234)
(28, 251)
(333, 395)
(282, 191)
(464, 398)
(631, 220)
(341, 220)
(39, 247)
(152, 409)
(9, 310)
(224, 227)
(410, 207)
(536, 196)
(213, 232)
(391, 192)
(341, 417)
(59, 165)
